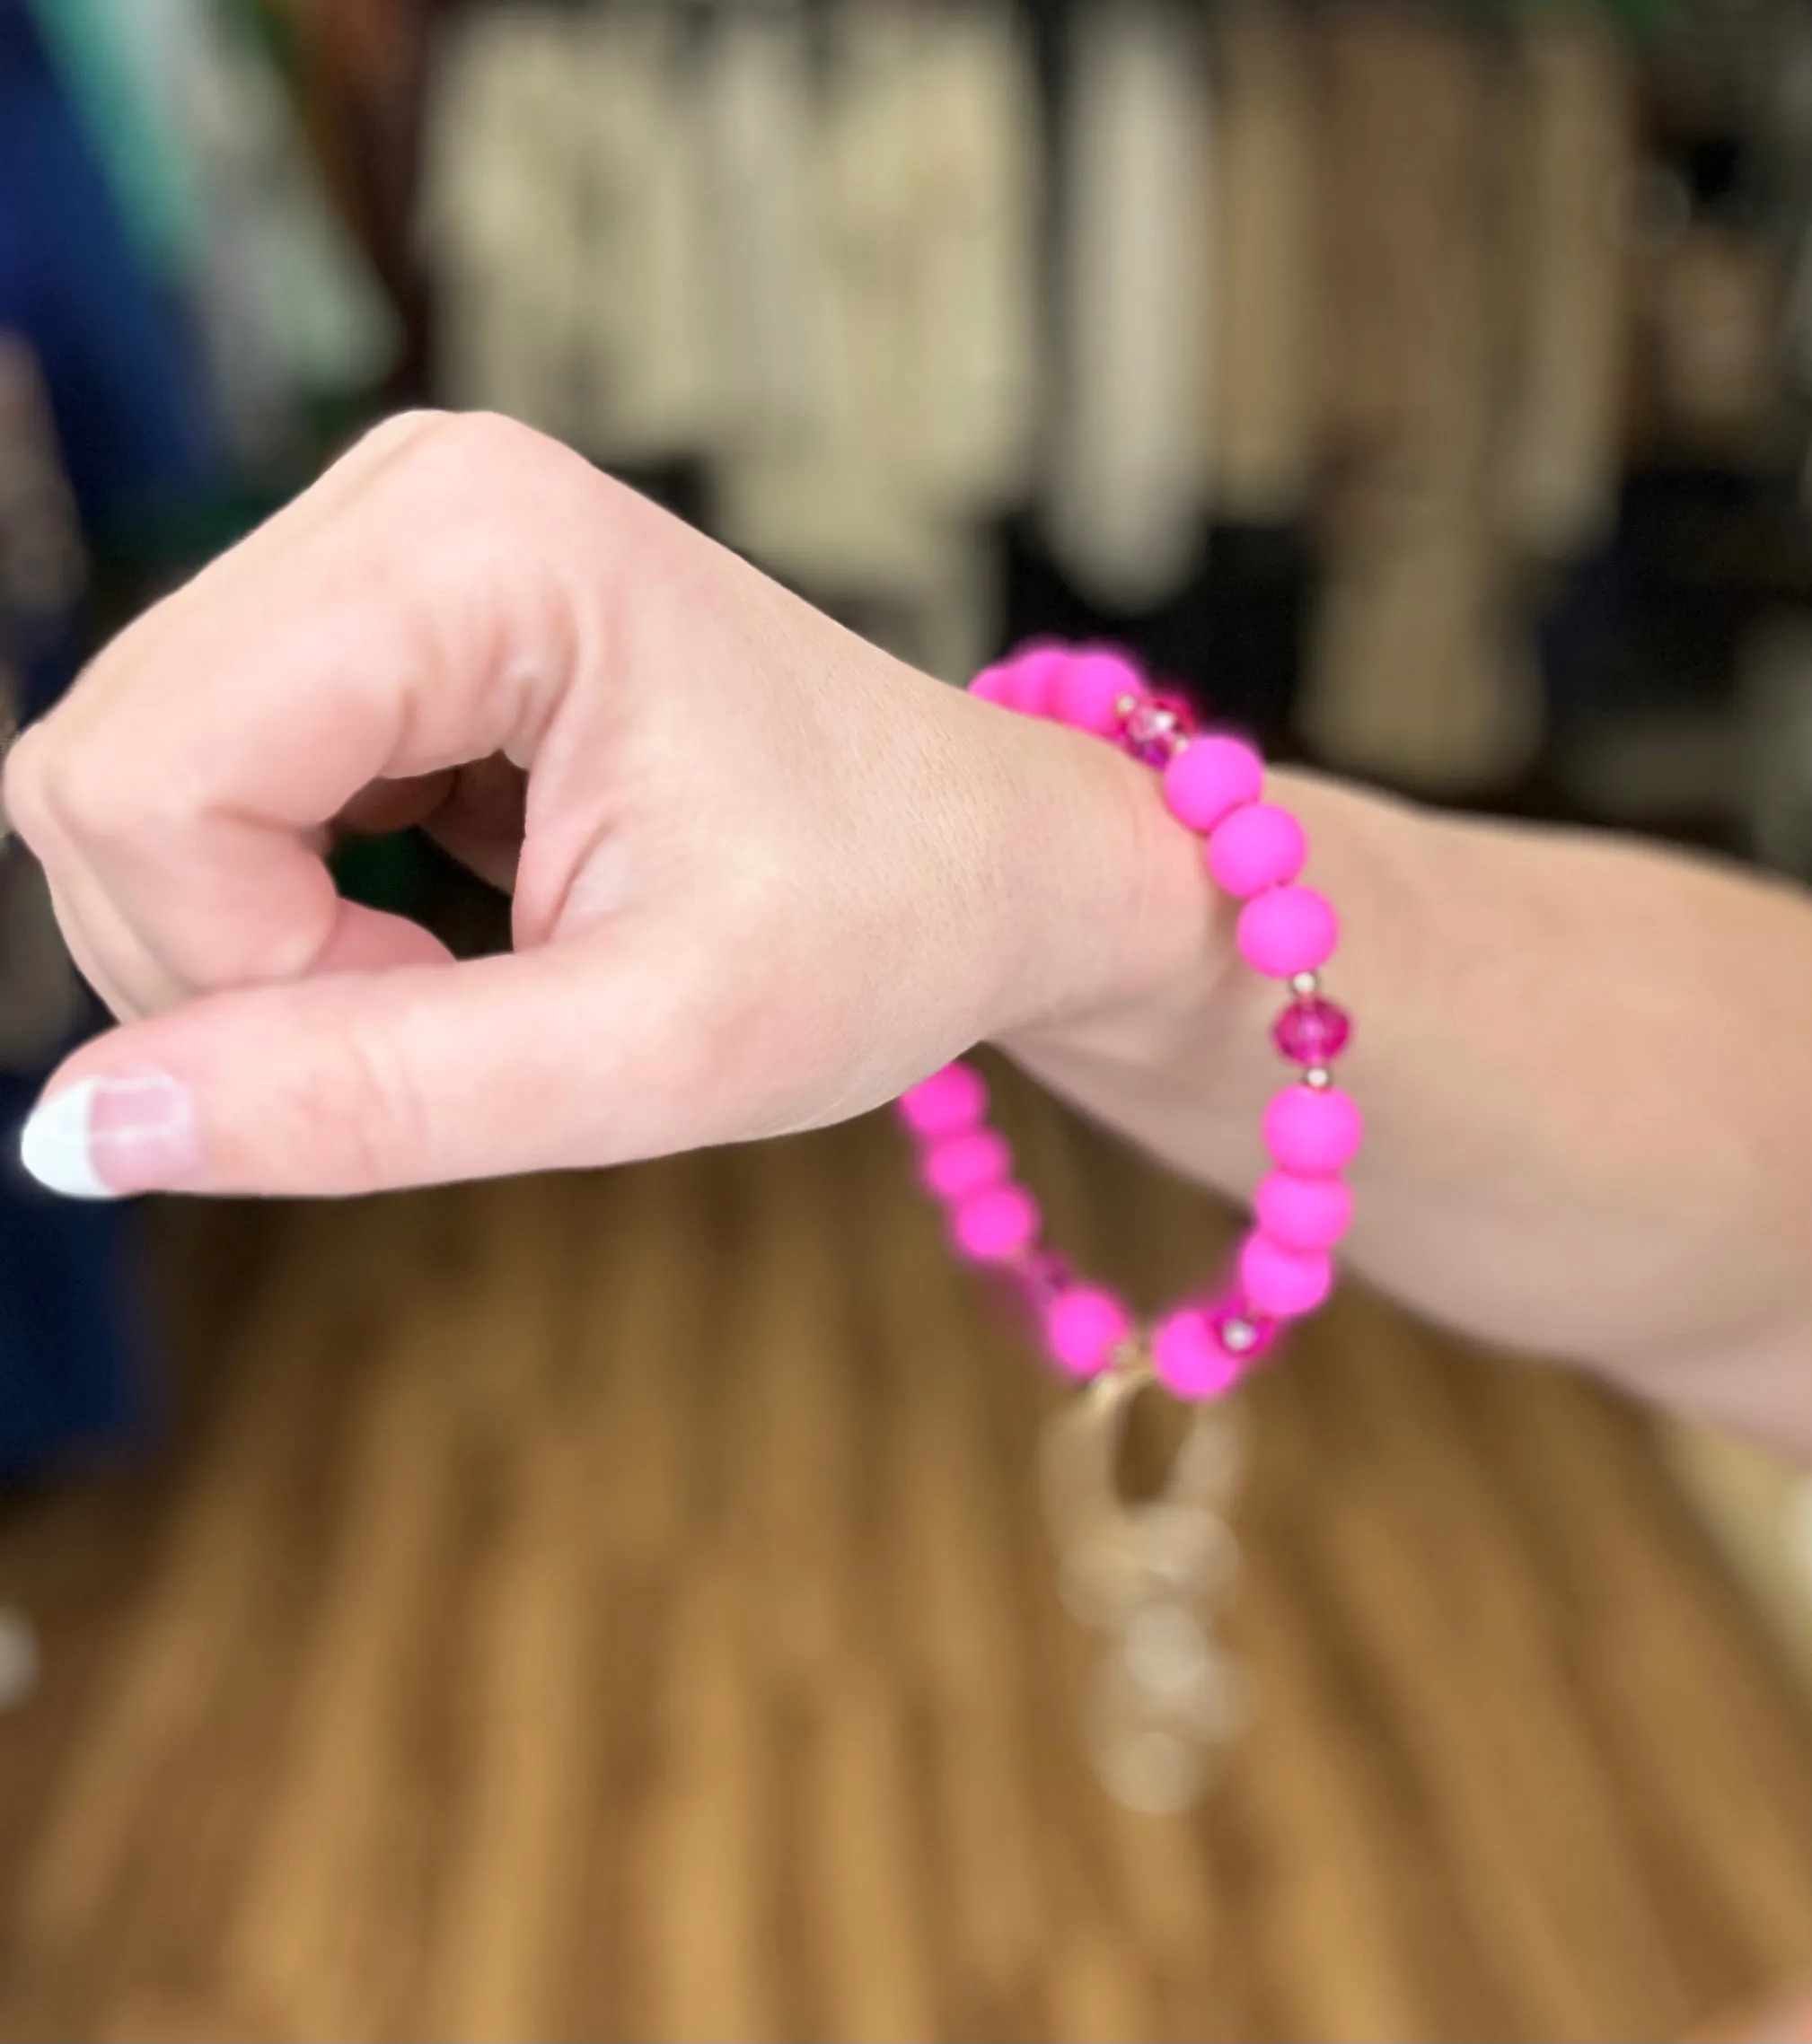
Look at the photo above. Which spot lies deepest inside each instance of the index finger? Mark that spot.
(403, 616)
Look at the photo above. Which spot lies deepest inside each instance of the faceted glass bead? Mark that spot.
(1244, 1332)
(1042, 1279)
(1157, 729)
(1313, 1032)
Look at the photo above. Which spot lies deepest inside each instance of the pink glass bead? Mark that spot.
(1304, 1213)
(1084, 1328)
(1313, 1032)
(1290, 930)
(1284, 1283)
(1257, 1335)
(993, 684)
(1041, 1277)
(948, 1104)
(1256, 847)
(995, 1225)
(1090, 693)
(958, 1166)
(1314, 1133)
(1190, 1361)
(1033, 680)
(1158, 730)
(1214, 776)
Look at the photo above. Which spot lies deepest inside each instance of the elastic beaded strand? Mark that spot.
(1213, 784)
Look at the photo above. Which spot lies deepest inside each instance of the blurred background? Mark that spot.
(617, 1606)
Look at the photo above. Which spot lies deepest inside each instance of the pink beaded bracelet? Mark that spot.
(1255, 851)
(1148, 1572)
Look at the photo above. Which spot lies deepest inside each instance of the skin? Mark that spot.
(765, 877)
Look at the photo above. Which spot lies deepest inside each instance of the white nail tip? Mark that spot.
(54, 1147)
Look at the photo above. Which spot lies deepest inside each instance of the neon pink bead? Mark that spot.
(1284, 1283)
(1190, 1361)
(1210, 779)
(1314, 1031)
(1304, 1213)
(1034, 679)
(959, 1166)
(1256, 849)
(1090, 693)
(947, 1103)
(995, 1225)
(993, 684)
(1290, 930)
(1255, 852)
(1314, 1133)
(1084, 1328)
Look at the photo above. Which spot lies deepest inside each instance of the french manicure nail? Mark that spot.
(105, 1138)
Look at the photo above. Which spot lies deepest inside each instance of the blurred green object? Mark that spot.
(190, 108)
(390, 872)
(150, 172)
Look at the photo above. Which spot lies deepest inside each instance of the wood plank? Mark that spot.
(619, 1606)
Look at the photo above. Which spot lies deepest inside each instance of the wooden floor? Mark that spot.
(617, 1608)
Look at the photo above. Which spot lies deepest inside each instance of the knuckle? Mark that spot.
(92, 801)
(64, 795)
(360, 1114)
(404, 426)
(492, 432)
(401, 431)
(465, 463)
(523, 472)
(413, 451)
(480, 438)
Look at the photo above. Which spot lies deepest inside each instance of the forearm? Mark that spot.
(1584, 1068)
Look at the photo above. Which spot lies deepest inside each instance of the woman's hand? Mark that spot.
(764, 876)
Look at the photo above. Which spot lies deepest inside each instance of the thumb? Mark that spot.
(363, 1081)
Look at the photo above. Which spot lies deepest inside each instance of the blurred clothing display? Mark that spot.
(68, 1366)
(803, 253)
(357, 70)
(1129, 489)
(494, 179)
(871, 284)
(1421, 675)
(238, 222)
(559, 209)
(1570, 164)
(890, 279)
(1310, 352)
(179, 307)
(175, 300)
(101, 53)
(127, 392)
(1262, 363)
(42, 999)
(758, 108)
(1774, 703)
(42, 577)
(918, 315)
(43, 567)
(1714, 332)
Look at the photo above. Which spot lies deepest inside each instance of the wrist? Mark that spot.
(1126, 950)
(1144, 967)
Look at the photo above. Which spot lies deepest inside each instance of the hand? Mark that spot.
(764, 876)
